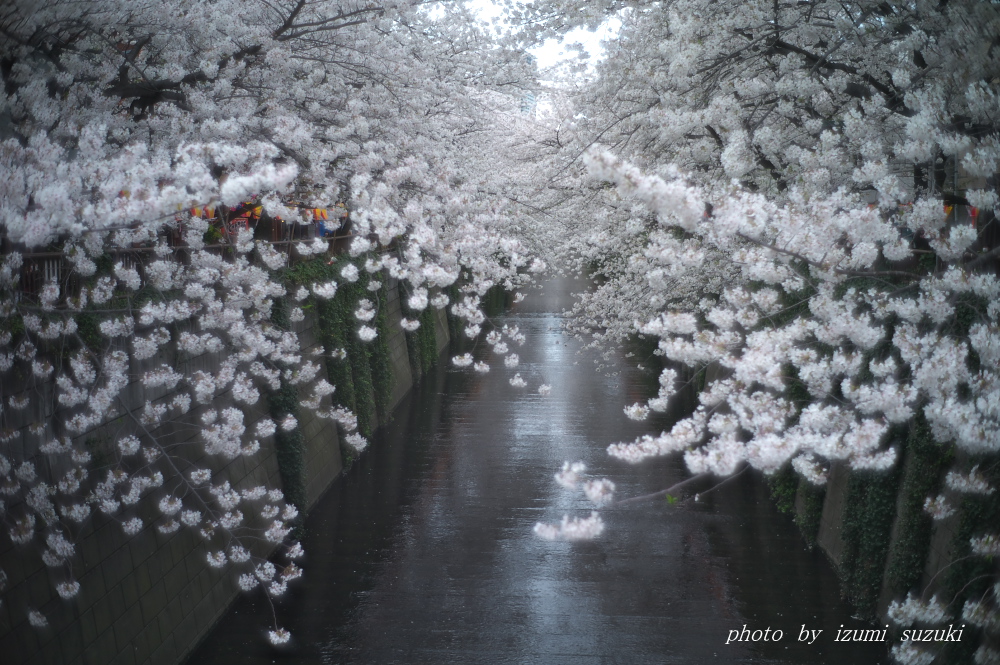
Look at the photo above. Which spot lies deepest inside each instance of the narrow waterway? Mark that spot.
(424, 551)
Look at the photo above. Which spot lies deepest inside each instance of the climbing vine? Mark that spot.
(289, 446)
(969, 577)
(924, 467)
(869, 510)
(783, 486)
(364, 391)
(455, 323)
(791, 492)
(360, 370)
(810, 499)
(334, 325)
(381, 367)
(421, 345)
(495, 301)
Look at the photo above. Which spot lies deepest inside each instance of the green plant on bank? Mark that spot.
(969, 577)
(795, 391)
(363, 377)
(783, 485)
(455, 324)
(810, 499)
(212, 236)
(869, 511)
(333, 328)
(289, 446)
(495, 301)
(791, 493)
(337, 332)
(421, 344)
(922, 471)
(342, 308)
(381, 367)
(886, 531)
(88, 320)
(14, 325)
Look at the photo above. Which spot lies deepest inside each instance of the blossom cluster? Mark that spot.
(770, 219)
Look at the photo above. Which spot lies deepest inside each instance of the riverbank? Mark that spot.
(151, 597)
(424, 553)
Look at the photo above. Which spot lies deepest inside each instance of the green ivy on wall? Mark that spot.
(421, 344)
(332, 323)
(333, 330)
(968, 577)
(364, 377)
(381, 367)
(810, 499)
(978, 514)
(869, 511)
(455, 324)
(795, 391)
(361, 370)
(289, 446)
(495, 301)
(793, 494)
(922, 472)
(783, 485)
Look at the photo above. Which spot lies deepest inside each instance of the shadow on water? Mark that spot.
(423, 552)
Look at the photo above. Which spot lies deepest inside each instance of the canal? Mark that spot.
(424, 552)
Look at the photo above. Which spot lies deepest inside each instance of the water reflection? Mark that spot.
(424, 552)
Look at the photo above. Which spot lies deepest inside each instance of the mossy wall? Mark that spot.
(151, 598)
(370, 376)
(884, 545)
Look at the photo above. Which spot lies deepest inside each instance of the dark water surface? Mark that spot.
(424, 551)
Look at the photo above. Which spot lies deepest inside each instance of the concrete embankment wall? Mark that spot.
(836, 532)
(873, 526)
(150, 598)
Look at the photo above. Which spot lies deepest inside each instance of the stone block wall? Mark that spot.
(399, 359)
(322, 442)
(140, 597)
(831, 523)
(935, 550)
(152, 597)
(443, 338)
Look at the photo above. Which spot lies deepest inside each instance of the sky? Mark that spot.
(553, 51)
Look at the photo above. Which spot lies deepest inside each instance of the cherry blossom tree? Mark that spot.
(796, 201)
(121, 122)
